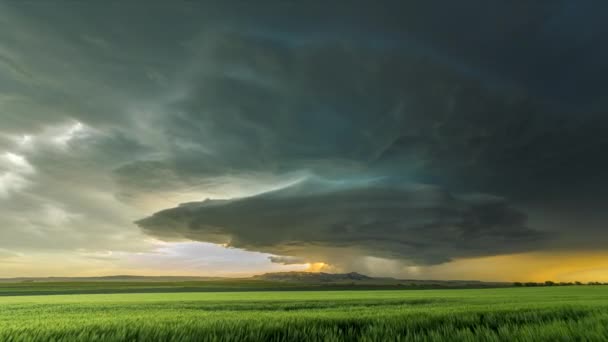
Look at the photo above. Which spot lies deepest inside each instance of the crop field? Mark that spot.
(566, 313)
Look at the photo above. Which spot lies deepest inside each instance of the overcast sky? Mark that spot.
(421, 139)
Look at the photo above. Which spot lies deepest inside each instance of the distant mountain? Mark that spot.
(353, 278)
(280, 279)
(313, 277)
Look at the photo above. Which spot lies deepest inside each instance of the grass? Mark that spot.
(569, 313)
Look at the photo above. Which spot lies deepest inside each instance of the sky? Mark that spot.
(414, 139)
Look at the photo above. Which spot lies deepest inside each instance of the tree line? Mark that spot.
(551, 283)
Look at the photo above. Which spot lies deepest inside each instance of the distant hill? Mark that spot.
(321, 278)
(313, 277)
(281, 279)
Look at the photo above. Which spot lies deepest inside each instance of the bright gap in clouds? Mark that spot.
(63, 138)
(163, 258)
(203, 259)
(14, 170)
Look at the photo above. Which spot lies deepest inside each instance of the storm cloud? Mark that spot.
(406, 130)
(316, 220)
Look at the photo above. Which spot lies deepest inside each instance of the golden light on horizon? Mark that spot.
(537, 267)
(315, 266)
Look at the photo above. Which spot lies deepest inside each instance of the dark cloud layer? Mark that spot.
(331, 221)
(232, 99)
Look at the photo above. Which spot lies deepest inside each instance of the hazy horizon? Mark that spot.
(415, 140)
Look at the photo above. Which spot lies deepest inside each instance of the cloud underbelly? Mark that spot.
(318, 220)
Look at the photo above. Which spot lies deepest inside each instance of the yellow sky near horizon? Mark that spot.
(537, 267)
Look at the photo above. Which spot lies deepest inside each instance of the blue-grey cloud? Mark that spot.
(317, 220)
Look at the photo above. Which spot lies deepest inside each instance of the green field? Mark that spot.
(507, 314)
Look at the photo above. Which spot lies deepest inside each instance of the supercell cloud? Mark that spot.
(419, 132)
(316, 220)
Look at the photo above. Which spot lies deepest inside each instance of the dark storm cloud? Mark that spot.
(262, 105)
(287, 260)
(330, 221)
(494, 97)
